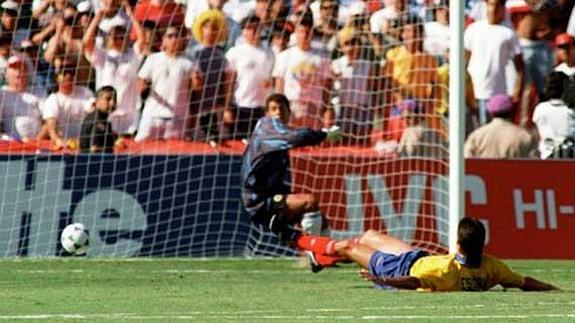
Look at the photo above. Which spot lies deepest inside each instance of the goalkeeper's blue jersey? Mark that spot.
(265, 164)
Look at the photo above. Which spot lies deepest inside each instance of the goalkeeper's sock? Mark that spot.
(316, 244)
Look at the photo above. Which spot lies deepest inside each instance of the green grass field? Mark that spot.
(233, 290)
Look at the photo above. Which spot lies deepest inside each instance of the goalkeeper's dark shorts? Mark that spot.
(387, 265)
(262, 209)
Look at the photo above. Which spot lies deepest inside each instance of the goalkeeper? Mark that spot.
(392, 263)
(266, 177)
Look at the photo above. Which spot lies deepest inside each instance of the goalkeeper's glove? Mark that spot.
(332, 134)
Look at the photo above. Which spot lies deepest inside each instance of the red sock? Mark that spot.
(316, 244)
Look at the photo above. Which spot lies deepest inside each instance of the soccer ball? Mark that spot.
(75, 239)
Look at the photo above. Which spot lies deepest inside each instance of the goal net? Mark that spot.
(132, 117)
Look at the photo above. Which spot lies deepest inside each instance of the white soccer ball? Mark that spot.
(75, 239)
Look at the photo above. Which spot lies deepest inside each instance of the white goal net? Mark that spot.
(156, 172)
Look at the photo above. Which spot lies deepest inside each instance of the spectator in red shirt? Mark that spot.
(162, 12)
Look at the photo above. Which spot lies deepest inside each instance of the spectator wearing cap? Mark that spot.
(41, 78)
(417, 138)
(116, 65)
(281, 34)
(252, 66)
(64, 110)
(555, 121)
(355, 84)
(19, 106)
(489, 46)
(166, 76)
(305, 78)
(500, 138)
(212, 79)
(9, 22)
(85, 14)
(565, 53)
(66, 45)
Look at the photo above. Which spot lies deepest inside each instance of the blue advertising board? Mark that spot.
(144, 205)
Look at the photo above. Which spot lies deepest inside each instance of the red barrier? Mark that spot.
(528, 205)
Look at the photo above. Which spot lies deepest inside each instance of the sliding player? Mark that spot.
(266, 177)
(390, 262)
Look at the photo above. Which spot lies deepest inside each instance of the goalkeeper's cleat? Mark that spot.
(315, 266)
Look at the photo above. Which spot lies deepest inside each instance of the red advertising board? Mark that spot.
(527, 205)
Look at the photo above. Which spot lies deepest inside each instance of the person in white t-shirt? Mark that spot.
(554, 120)
(64, 110)
(436, 32)
(252, 66)
(379, 21)
(489, 46)
(19, 108)
(565, 52)
(305, 78)
(167, 76)
(117, 65)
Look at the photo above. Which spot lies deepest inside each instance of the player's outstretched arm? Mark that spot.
(533, 285)
(403, 282)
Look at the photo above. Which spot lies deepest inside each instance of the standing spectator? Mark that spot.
(64, 110)
(324, 35)
(500, 138)
(96, 134)
(354, 81)
(233, 30)
(281, 34)
(66, 45)
(380, 20)
(9, 22)
(117, 66)
(45, 11)
(555, 121)
(252, 66)
(436, 32)
(212, 79)
(5, 46)
(19, 107)
(413, 71)
(162, 12)
(305, 79)
(166, 75)
(41, 76)
(565, 54)
(489, 46)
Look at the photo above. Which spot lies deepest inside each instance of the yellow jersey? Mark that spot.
(445, 273)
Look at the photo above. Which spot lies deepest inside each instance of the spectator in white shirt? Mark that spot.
(305, 78)
(565, 52)
(554, 120)
(19, 107)
(379, 21)
(64, 110)
(117, 65)
(167, 76)
(489, 46)
(252, 66)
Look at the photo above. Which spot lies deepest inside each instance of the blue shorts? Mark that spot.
(387, 265)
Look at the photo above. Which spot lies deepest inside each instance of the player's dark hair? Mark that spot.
(554, 84)
(104, 90)
(471, 238)
(278, 98)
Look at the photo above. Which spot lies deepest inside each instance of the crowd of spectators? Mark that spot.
(94, 73)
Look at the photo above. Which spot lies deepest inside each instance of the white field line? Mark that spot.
(252, 317)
